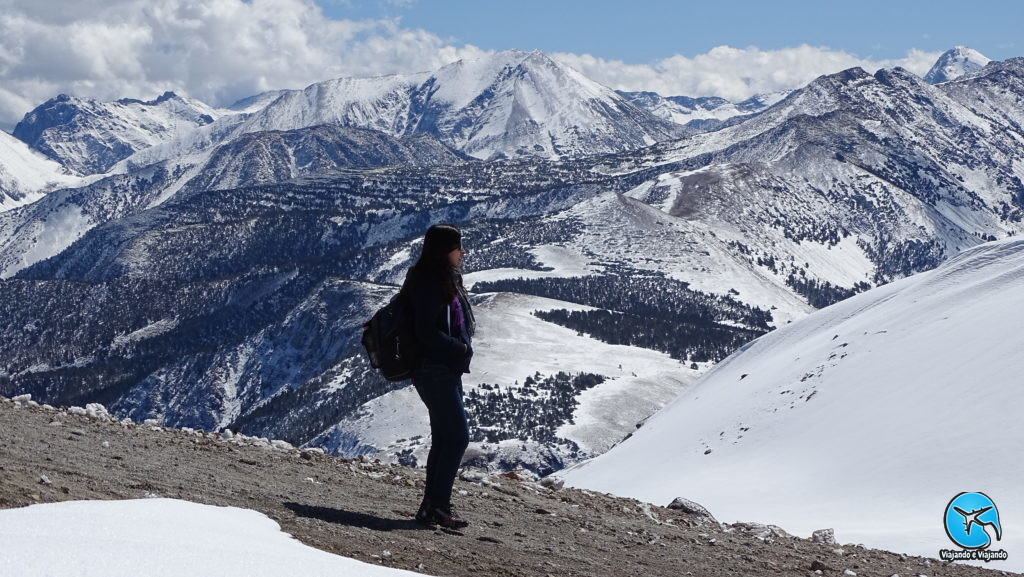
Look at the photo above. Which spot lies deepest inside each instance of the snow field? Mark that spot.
(867, 416)
(159, 538)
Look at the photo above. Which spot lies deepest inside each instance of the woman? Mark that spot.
(444, 327)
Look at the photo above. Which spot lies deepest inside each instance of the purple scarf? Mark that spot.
(458, 317)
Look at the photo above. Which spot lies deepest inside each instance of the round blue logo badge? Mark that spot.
(969, 516)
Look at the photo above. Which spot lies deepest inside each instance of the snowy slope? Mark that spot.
(381, 103)
(867, 416)
(25, 176)
(512, 344)
(621, 229)
(994, 93)
(954, 63)
(256, 102)
(159, 538)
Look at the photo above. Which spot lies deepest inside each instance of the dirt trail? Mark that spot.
(363, 510)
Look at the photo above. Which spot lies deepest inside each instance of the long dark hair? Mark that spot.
(433, 266)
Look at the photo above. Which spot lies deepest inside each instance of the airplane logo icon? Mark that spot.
(971, 519)
(968, 512)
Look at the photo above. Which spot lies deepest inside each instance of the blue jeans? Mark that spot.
(441, 391)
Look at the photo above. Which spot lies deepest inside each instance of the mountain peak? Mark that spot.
(954, 63)
(168, 95)
(537, 56)
(503, 59)
(898, 76)
(829, 86)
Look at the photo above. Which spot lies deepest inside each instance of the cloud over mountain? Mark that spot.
(219, 51)
(735, 73)
(214, 50)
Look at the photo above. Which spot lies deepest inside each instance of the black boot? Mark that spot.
(425, 515)
(448, 518)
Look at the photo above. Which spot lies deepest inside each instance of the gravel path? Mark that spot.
(363, 510)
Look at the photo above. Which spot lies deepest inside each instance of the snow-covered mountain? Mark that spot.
(511, 103)
(43, 229)
(942, 165)
(88, 136)
(702, 113)
(852, 181)
(239, 306)
(25, 176)
(954, 63)
(517, 103)
(507, 104)
(868, 416)
(934, 162)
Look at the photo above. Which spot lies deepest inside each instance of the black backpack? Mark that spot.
(390, 341)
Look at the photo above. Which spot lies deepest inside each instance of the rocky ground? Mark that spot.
(363, 509)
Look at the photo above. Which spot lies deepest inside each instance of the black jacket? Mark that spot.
(439, 342)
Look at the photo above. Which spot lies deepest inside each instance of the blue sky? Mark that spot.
(645, 30)
(220, 51)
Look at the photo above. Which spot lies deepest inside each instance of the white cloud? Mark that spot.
(222, 50)
(735, 73)
(215, 50)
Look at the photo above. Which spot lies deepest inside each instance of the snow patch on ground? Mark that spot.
(563, 261)
(147, 332)
(609, 412)
(232, 404)
(159, 538)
